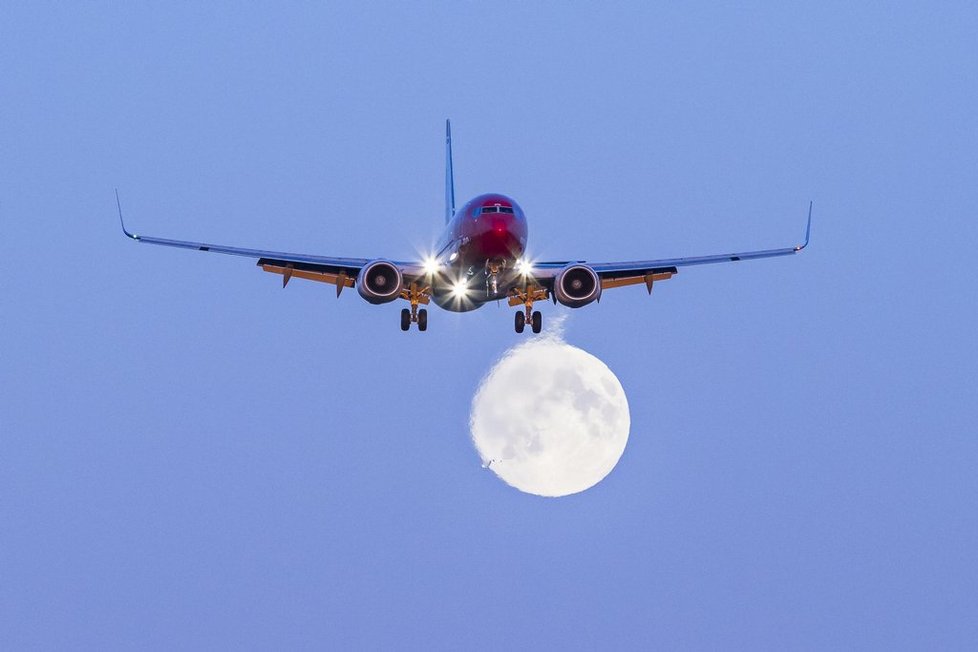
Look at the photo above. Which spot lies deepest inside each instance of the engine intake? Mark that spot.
(577, 285)
(380, 281)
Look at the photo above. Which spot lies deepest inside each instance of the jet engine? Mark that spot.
(577, 285)
(380, 281)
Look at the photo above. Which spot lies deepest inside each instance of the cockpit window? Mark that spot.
(497, 209)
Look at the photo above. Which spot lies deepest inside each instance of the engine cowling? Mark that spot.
(380, 281)
(577, 285)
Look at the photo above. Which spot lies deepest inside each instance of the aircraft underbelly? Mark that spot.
(447, 300)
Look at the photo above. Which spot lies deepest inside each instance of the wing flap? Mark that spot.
(340, 278)
(648, 278)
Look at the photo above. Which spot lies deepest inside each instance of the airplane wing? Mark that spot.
(341, 272)
(617, 274)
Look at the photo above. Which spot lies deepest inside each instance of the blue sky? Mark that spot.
(191, 457)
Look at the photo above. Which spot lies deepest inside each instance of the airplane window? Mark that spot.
(476, 212)
(494, 209)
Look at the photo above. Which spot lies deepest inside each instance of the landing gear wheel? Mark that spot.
(520, 322)
(405, 319)
(422, 320)
(537, 322)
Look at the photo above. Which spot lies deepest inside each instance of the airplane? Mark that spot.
(480, 257)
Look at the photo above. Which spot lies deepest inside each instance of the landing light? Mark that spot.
(459, 289)
(430, 265)
(524, 267)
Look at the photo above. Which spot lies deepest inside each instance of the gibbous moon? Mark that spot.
(550, 419)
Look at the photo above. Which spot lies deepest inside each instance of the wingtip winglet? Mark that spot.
(808, 228)
(118, 204)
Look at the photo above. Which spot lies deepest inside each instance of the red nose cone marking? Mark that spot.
(499, 226)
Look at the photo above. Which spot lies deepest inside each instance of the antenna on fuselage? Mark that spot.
(449, 175)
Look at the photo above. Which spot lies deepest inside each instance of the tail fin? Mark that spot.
(449, 175)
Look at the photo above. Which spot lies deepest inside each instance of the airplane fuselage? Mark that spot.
(479, 253)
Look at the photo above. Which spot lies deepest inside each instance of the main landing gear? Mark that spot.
(420, 317)
(527, 315)
(536, 321)
(413, 315)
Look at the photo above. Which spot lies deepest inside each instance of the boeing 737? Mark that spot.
(481, 257)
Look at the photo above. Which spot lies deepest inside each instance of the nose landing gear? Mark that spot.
(492, 271)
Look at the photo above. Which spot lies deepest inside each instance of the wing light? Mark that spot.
(431, 266)
(524, 267)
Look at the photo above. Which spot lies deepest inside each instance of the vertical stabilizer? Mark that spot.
(449, 175)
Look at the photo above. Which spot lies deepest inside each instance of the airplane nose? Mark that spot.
(497, 235)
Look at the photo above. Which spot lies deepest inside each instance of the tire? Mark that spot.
(422, 320)
(537, 322)
(405, 319)
(520, 322)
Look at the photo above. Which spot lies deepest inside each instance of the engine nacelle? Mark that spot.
(380, 281)
(577, 285)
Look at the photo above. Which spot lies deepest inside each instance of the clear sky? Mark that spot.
(192, 457)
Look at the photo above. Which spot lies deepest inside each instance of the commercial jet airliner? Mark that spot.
(481, 257)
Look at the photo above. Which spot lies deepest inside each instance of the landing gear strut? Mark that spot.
(528, 315)
(492, 278)
(413, 315)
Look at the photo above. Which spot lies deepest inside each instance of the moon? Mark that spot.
(549, 418)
